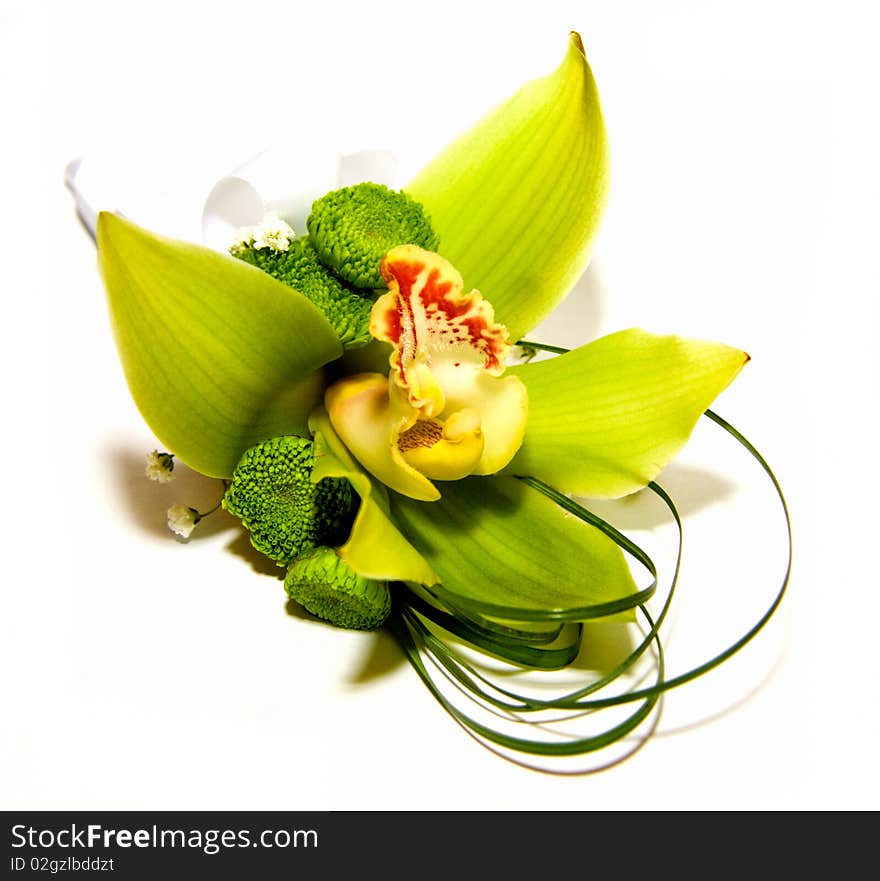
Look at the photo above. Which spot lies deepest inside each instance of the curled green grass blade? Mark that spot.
(421, 645)
(580, 698)
(217, 354)
(530, 632)
(414, 637)
(517, 200)
(516, 650)
(606, 418)
(505, 550)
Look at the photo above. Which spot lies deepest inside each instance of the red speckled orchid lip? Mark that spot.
(444, 411)
(434, 326)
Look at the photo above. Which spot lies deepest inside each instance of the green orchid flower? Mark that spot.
(443, 412)
(431, 426)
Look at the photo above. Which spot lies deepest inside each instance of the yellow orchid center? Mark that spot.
(444, 411)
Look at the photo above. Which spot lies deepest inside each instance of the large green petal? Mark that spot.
(218, 355)
(517, 200)
(503, 549)
(606, 418)
(375, 547)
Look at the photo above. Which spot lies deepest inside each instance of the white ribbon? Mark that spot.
(284, 182)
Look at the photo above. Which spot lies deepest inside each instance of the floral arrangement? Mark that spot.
(366, 392)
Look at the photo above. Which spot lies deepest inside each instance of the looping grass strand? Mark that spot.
(539, 647)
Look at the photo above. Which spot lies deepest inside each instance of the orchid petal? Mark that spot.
(375, 547)
(517, 200)
(503, 549)
(218, 355)
(606, 418)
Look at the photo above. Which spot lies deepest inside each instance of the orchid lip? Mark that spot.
(446, 450)
(444, 411)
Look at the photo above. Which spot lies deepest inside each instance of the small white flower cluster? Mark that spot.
(160, 466)
(271, 232)
(182, 520)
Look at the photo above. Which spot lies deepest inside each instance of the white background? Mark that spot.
(138, 672)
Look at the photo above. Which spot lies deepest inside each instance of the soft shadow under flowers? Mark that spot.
(693, 489)
(381, 654)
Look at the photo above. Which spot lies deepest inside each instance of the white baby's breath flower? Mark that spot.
(271, 232)
(160, 466)
(182, 520)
